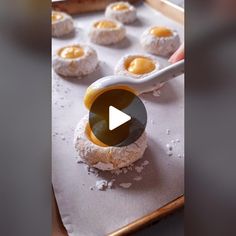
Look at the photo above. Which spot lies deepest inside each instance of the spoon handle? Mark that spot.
(161, 76)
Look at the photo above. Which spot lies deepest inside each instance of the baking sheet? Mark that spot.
(92, 212)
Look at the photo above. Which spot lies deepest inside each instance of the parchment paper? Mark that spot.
(87, 212)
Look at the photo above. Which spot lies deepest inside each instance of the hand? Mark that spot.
(178, 55)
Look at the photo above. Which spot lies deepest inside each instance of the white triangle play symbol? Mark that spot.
(117, 118)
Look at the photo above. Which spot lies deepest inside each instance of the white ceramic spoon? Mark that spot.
(138, 85)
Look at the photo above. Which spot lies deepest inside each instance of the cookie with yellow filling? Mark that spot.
(62, 24)
(138, 66)
(96, 154)
(160, 40)
(74, 60)
(106, 32)
(121, 11)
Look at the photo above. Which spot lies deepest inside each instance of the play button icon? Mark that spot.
(117, 117)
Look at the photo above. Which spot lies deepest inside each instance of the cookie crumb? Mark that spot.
(130, 167)
(125, 185)
(138, 178)
(117, 172)
(145, 162)
(101, 184)
(156, 93)
(138, 169)
(110, 183)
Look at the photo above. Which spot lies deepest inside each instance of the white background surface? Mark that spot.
(86, 212)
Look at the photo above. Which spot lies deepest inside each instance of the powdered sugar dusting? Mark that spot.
(98, 157)
(109, 179)
(103, 184)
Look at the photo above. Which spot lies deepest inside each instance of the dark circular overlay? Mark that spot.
(126, 102)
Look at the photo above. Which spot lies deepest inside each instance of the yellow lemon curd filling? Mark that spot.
(105, 24)
(161, 32)
(71, 52)
(120, 7)
(140, 65)
(100, 130)
(56, 16)
(92, 137)
(92, 93)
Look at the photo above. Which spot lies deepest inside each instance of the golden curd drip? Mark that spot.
(92, 93)
(71, 52)
(140, 66)
(105, 25)
(56, 16)
(161, 32)
(93, 138)
(120, 7)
